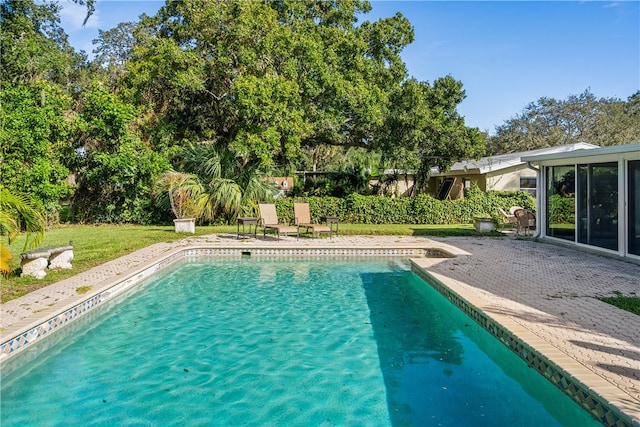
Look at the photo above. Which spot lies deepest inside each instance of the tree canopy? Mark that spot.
(266, 78)
(39, 69)
(580, 118)
(252, 86)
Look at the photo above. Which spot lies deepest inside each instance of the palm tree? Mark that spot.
(183, 190)
(232, 186)
(17, 213)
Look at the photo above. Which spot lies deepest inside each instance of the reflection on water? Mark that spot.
(441, 368)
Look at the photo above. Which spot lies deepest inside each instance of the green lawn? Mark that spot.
(95, 245)
(631, 304)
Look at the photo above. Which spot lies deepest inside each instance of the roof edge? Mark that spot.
(601, 151)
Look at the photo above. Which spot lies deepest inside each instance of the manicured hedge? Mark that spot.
(422, 209)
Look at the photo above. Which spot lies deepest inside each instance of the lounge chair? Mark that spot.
(510, 218)
(302, 214)
(269, 221)
(526, 221)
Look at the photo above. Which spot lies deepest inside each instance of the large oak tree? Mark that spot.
(266, 79)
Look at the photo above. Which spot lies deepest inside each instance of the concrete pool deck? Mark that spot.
(544, 293)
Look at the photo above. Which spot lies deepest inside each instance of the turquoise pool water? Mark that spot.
(255, 342)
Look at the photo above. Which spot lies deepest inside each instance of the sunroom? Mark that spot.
(591, 198)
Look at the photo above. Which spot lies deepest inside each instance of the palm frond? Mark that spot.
(232, 185)
(16, 214)
(183, 190)
(221, 195)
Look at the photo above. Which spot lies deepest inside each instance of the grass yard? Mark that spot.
(631, 304)
(95, 245)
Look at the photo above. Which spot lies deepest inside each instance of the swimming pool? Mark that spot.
(282, 342)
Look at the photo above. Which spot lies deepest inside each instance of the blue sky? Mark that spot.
(507, 54)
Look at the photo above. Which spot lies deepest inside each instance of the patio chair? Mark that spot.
(526, 221)
(268, 220)
(510, 218)
(512, 209)
(302, 214)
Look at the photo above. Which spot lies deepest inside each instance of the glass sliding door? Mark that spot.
(597, 201)
(561, 208)
(634, 207)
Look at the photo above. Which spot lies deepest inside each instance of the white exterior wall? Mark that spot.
(508, 180)
(401, 187)
(621, 155)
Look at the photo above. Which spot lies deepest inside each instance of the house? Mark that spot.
(283, 184)
(503, 172)
(394, 183)
(590, 198)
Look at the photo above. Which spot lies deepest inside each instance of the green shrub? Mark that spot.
(318, 206)
(422, 209)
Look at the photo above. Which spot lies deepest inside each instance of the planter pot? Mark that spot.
(484, 225)
(185, 225)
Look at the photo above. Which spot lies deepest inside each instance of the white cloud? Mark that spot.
(72, 16)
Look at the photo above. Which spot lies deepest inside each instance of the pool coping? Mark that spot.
(595, 394)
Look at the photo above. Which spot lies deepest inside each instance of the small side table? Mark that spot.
(250, 222)
(330, 220)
